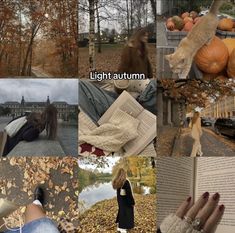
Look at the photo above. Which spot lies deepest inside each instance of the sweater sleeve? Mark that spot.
(129, 194)
(30, 134)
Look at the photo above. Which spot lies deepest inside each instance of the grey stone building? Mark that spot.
(24, 107)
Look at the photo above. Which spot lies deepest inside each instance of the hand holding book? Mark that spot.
(203, 216)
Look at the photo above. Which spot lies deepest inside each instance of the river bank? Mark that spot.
(102, 216)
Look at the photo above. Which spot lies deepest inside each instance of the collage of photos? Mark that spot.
(195, 116)
(117, 116)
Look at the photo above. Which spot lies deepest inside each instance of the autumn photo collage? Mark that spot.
(117, 116)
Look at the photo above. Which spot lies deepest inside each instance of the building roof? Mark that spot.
(30, 104)
(59, 102)
(11, 102)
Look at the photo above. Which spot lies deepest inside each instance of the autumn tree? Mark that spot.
(154, 9)
(35, 15)
(26, 24)
(8, 35)
(63, 30)
(197, 92)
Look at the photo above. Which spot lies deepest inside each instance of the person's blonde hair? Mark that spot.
(119, 178)
(195, 117)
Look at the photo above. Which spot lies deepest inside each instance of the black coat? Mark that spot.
(26, 133)
(125, 217)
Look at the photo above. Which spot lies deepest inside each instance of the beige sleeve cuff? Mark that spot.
(174, 224)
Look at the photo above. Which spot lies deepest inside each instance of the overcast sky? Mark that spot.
(106, 21)
(39, 89)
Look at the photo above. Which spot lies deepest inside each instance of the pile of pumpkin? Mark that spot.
(217, 58)
(184, 22)
(226, 24)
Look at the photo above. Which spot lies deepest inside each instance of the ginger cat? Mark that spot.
(202, 33)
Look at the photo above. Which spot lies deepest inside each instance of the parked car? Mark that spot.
(206, 122)
(220, 16)
(225, 126)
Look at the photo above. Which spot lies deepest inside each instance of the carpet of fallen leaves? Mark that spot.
(58, 177)
(109, 59)
(166, 137)
(102, 216)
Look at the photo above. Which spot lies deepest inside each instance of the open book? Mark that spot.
(147, 129)
(6, 208)
(177, 178)
(85, 124)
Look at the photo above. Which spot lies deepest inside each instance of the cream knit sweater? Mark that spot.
(113, 135)
(174, 224)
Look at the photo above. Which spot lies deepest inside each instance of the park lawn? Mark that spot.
(102, 216)
(109, 59)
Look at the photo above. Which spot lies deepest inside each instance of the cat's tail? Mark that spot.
(216, 4)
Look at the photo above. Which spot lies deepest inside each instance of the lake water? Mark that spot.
(68, 138)
(95, 193)
(67, 135)
(100, 191)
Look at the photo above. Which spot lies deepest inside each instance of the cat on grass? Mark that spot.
(202, 33)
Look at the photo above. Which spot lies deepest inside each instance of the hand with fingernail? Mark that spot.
(203, 216)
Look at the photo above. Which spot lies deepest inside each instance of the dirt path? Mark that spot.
(39, 72)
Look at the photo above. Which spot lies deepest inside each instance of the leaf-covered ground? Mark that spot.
(58, 177)
(101, 217)
(166, 136)
(109, 59)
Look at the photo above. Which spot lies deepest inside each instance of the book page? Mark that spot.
(86, 125)
(6, 208)
(126, 103)
(147, 131)
(175, 182)
(218, 175)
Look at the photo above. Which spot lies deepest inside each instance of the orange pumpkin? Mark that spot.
(188, 26)
(231, 65)
(188, 19)
(193, 14)
(230, 43)
(169, 19)
(185, 14)
(225, 24)
(170, 25)
(212, 58)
